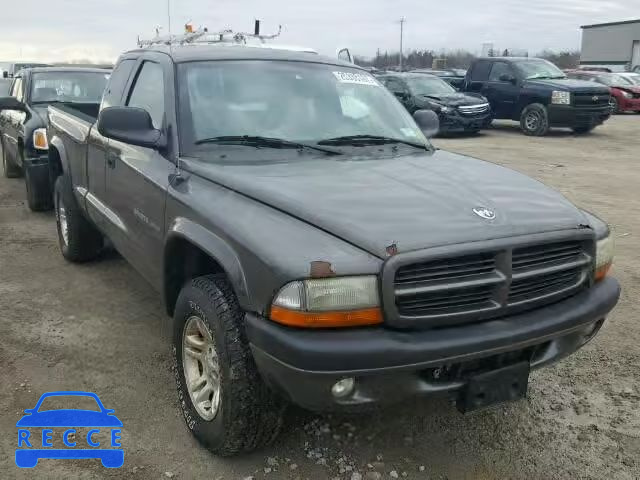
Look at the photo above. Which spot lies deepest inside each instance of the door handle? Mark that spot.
(111, 159)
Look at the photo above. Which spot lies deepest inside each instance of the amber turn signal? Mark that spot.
(40, 139)
(351, 318)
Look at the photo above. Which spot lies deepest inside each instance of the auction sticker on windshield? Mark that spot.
(358, 78)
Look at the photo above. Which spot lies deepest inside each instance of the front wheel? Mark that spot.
(534, 120)
(615, 106)
(224, 401)
(79, 240)
(39, 196)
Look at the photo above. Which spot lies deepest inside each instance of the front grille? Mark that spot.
(474, 109)
(591, 100)
(481, 285)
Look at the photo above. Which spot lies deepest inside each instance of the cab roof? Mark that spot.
(203, 52)
(63, 69)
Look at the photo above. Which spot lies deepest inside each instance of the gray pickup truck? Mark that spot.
(312, 246)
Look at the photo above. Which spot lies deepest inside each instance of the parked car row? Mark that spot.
(310, 243)
(624, 88)
(531, 91)
(23, 121)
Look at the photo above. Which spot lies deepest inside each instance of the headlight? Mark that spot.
(40, 139)
(445, 109)
(627, 94)
(604, 256)
(561, 98)
(328, 302)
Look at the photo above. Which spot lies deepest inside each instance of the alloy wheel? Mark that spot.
(201, 368)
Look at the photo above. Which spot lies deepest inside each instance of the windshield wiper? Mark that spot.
(357, 140)
(546, 77)
(267, 142)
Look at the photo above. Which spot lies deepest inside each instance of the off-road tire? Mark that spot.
(538, 128)
(39, 197)
(249, 415)
(84, 240)
(9, 169)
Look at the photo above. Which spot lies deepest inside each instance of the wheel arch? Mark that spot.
(58, 162)
(192, 251)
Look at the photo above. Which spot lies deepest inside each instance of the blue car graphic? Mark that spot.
(70, 418)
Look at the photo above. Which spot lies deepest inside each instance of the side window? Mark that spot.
(117, 83)
(480, 72)
(148, 92)
(498, 69)
(17, 90)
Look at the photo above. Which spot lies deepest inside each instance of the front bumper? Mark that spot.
(390, 365)
(453, 122)
(629, 104)
(572, 117)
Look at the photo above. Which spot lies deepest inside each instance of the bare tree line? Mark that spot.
(456, 59)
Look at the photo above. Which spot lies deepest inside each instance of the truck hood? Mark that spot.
(570, 85)
(455, 99)
(414, 201)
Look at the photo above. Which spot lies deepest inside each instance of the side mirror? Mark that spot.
(428, 122)
(12, 103)
(5, 74)
(130, 125)
(507, 77)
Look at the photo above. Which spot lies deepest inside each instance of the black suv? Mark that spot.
(538, 94)
(457, 111)
(311, 244)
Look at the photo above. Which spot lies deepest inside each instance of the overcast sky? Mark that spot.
(100, 29)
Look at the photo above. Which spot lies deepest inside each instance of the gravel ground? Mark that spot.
(100, 327)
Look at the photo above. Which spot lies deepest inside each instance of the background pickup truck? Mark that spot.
(23, 121)
(312, 246)
(538, 94)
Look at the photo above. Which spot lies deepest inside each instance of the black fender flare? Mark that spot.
(216, 248)
(62, 152)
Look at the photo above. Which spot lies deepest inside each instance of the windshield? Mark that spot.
(79, 87)
(531, 69)
(425, 85)
(612, 80)
(293, 101)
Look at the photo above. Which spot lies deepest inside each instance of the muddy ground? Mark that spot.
(100, 327)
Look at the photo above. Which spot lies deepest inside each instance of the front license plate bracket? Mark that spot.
(505, 384)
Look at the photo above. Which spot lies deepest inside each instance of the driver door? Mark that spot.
(502, 93)
(137, 178)
(11, 122)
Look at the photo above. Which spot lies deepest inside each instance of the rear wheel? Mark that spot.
(79, 240)
(10, 169)
(534, 120)
(39, 196)
(225, 403)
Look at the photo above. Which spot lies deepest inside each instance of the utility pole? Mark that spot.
(169, 16)
(402, 20)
